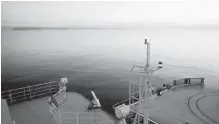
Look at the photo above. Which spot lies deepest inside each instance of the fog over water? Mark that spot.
(100, 59)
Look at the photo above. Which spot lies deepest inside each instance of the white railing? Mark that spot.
(30, 92)
(59, 97)
(84, 118)
(141, 117)
(55, 103)
(55, 113)
(35, 91)
(57, 100)
(176, 83)
(188, 81)
(76, 117)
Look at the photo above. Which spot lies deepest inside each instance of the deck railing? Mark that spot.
(131, 118)
(59, 95)
(180, 82)
(176, 83)
(63, 117)
(55, 112)
(188, 81)
(30, 92)
(57, 100)
(84, 118)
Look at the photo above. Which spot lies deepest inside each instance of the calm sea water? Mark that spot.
(100, 60)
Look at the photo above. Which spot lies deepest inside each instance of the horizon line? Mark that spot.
(201, 26)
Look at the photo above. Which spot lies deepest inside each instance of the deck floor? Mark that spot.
(212, 102)
(37, 111)
(172, 107)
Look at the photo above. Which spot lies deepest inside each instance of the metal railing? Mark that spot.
(55, 112)
(130, 102)
(35, 91)
(131, 116)
(57, 100)
(188, 81)
(176, 83)
(84, 118)
(134, 98)
(75, 117)
(30, 92)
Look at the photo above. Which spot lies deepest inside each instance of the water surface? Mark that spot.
(100, 59)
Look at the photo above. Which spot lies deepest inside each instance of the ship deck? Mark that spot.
(192, 104)
(36, 111)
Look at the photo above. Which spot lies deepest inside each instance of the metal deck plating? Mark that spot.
(30, 105)
(191, 103)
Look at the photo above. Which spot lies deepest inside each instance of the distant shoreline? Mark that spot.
(190, 27)
(38, 28)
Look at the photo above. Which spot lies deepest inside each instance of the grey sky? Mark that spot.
(109, 14)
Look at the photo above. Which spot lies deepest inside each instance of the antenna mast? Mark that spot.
(143, 87)
(146, 101)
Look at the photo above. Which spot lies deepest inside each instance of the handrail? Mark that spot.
(55, 112)
(124, 101)
(56, 101)
(30, 86)
(29, 92)
(78, 116)
(120, 103)
(26, 92)
(186, 81)
(191, 78)
(41, 87)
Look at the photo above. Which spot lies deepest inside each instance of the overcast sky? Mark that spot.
(110, 14)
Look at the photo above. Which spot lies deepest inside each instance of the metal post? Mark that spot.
(60, 118)
(133, 90)
(148, 55)
(10, 97)
(24, 93)
(146, 120)
(140, 93)
(77, 118)
(146, 103)
(144, 92)
(92, 119)
(13, 122)
(29, 91)
(50, 86)
(130, 89)
(147, 81)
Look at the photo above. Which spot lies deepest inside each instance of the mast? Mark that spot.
(143, 87)
(146, 101)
